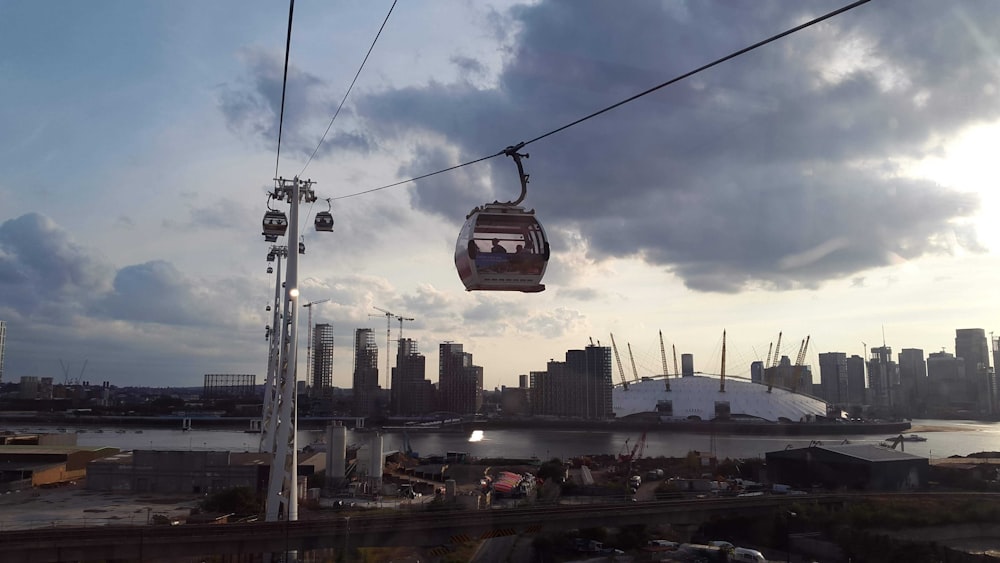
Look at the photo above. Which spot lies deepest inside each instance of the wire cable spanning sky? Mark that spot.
(835, 182)
(674, 80)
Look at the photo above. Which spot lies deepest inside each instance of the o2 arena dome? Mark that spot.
(697, 397)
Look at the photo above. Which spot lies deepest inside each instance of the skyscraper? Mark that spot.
(856, 380)
(365, 372)
(912, 378)
(971, 346)
(946, 382)
(322, 360)
(460, 383)
(833, 377)
(580, 386)
(882, 376)
(410, 394)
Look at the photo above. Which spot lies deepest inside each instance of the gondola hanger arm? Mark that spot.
(512, 152)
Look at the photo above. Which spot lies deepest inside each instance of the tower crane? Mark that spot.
(663, 358)
(388, 331)
(401, 318)
(618, 360)
(388, 337)
(309, 340)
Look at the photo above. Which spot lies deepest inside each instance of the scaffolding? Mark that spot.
(229, 385)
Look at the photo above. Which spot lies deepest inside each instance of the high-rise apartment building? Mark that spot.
(460, 383)
(365, 372)
(946, 384)
(787, 376)
(971, 345)
(579, 387)
(411, 394)
(833, 381)
(912, 378)
(322, 360)
(856, 380)
(883, 376)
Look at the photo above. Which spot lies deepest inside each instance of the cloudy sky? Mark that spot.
(839, 183)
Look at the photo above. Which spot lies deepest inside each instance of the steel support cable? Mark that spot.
(349, 88)
(284, 84)
(674, 80)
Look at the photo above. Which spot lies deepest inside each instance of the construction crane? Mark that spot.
(631, 358)
(388, 332)
(663, 358)
(627, 457)
(401, 318)
(388, 337)
(618, 360)
(722, 374)
(309, 340)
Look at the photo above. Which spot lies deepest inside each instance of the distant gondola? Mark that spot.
(324, 220)
(275, 225)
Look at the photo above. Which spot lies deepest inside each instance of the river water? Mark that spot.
(944, 438)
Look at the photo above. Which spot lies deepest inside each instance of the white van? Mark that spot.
(749, 555)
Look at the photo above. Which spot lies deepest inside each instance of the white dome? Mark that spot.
(696, 396)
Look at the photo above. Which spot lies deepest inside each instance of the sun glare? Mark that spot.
(970, 165)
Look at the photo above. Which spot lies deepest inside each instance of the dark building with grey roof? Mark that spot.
(863, 467)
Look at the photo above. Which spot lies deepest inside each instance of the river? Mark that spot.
(944, 438)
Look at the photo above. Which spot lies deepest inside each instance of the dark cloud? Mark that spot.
(470, 67)
(154, 292)
(772, 170)
(253, 107)
(42, 271)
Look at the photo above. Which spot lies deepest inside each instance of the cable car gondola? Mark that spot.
(324, 220)
(502, 246)
(275, 223)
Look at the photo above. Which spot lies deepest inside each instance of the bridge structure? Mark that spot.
(402, 528)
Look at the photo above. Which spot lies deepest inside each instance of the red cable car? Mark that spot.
(502, 246)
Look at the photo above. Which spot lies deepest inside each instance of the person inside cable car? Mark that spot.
(497, 247)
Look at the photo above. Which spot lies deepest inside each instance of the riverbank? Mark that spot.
(730, 427)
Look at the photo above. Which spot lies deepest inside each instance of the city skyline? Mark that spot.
(837, 184)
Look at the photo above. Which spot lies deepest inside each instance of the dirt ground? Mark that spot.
(73, 505)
